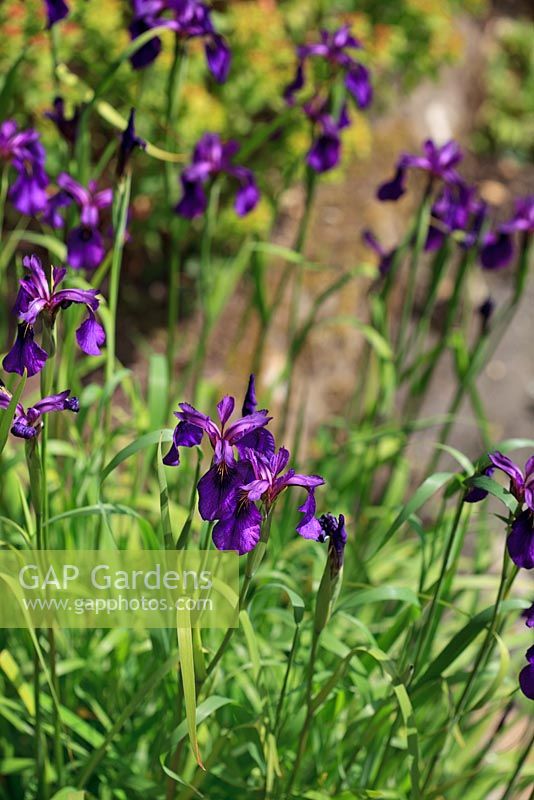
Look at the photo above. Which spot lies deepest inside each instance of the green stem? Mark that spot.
(120, 217)
(520, 763)
(174, 82)
(303, 736)
(290, 659)
(294, 305)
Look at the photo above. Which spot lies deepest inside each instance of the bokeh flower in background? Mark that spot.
(26, 154)
(213, 157)
(67, 126)
(189, 19)
(439, 162)
(56, 10)
(129, 142)
(526, 676)
(328, 115)
(498, 246)
(85, 247)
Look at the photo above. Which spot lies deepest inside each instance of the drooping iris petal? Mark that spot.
(25, 353)
(240, 531)
(528, 614)
(150, 50)
(85, 248)
(526, 676)
(475, 493)
(261, 440)
(185, 435)
(28, 192)
(247, 197)
(218, 489)
(91, 336)
(393, 189)
(325, 152)
(194, 201)
(497, 250)
(309, 527)
(296, 84)
(245, 425)
(358, 82)
(520, 542)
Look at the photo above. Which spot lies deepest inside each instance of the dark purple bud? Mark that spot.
(325, 151)
(475, 494)
(250, 403)
(334, 531)
(129, 141)
(67, 126)
(149, 51)
(56, 10)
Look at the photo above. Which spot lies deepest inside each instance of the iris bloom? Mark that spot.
(36, 299)
(498, 246)
(217, 488)
(27, 424)
(212, 157)
(239, 529)
(526, 676)
(24, 151)
(56, 10)
(456, 210)
(438, 162)
(334, 48)
(85, 248)
(190, 19)
(129, 141)
(520, 541)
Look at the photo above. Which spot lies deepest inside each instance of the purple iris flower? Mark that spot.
(23, 149)
(526, 676)
(438, 162)
(190, 19)
(212, 157)
(240, 527)
(85, 247)
(325, 151)
(27, 424)
(333, 529)
(67, 126)
(129, 141)
(386, 256)
(218, 487)
(498, 247)
(37, 299)
(334, 47)
(56, 10)
(456, 209)
(520, 541)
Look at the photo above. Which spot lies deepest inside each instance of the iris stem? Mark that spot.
(120, 219)
(303, 736)
(176, 76)
(507, 795)
(281, 699)
(294, 306)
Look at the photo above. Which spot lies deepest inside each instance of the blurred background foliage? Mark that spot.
(405, 43)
